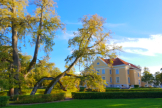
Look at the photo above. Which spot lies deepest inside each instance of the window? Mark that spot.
(98, 63)
(103, 78)
(110, 71)
(110, 79)
(98, 72)
(117, 71)
(128, 72)
(117, 79)
(128, 80)
(138, 75)
(107, 82)
(103, 71)
(139, 82)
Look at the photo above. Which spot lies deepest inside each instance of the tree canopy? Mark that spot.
(90, 40)
(147, 76)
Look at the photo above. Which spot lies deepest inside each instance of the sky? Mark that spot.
(136, 25)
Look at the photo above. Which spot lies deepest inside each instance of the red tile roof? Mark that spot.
(118, 61)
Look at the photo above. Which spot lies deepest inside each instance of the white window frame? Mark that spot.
(110, 79)
(138, 74)
(116, 71)
(103, 71)
(128, 79)
(110, 71)
(98, 63)
(128, 72)
(116, 80)
(98, 72)
(103, 77)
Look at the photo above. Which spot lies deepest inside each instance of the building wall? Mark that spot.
(123, 74)
(144, 84)
(123, 77)
(132, 77)
(102, 64)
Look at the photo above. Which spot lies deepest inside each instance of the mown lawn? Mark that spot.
(99, 103)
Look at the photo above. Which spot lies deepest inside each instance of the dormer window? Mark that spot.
(98, 63)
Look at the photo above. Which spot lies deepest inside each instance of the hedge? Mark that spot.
(115, 95)
(22, 99)
(82, 89)
(4, 100)
(136, 86)
(133, 90)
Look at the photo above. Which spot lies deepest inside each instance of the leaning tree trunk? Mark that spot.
(53, 83)
(33, 62)
(41, 80)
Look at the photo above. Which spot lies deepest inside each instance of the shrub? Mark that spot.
(3, 100)
(136, 86)
(82, 88)
(38, 98)
(115, 95)
(3, 93)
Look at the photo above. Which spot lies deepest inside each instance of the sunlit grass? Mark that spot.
(99, 103)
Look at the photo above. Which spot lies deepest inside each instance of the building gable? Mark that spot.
(99, 63)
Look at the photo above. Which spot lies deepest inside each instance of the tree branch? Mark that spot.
(41, 80)
(6, 60)
(78, 76)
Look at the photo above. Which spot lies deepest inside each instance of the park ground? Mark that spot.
(98, 103)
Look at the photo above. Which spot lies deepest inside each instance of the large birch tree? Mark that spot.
(41, 27)
(90, 40)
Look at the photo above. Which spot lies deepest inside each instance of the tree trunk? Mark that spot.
(33, 62)
(16, 62)
(53, 83)
(41, 80)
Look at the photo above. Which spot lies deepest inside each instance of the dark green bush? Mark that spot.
(3, 93)
(136, 86)
(115, 95)
(3, 100)
(38, 98)
(82, 88)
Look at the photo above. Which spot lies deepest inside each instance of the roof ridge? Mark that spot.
(122, 61)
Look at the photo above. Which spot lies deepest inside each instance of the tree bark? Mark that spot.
(33, 62)
(16, 62)
(41, 80)
(53, 83)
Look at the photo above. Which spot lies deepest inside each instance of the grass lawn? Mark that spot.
(100, 103)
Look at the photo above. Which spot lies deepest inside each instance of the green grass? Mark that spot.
(99, 103)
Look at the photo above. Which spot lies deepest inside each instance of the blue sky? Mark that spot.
(136, 25)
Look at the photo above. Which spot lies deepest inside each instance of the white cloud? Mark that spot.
(153, 69)
(78, 73)
(68, 35)
(144, 46)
